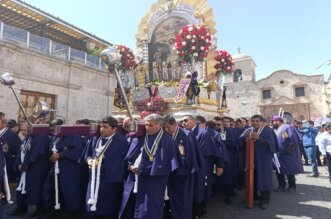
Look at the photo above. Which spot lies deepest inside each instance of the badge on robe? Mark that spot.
(284, 135)
(223, 136)
(181, 149)
(5, 148)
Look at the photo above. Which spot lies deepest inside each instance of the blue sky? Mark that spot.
(285, 34)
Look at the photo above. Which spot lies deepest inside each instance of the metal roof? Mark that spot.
(24, 16)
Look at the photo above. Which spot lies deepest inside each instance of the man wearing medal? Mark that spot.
(158, 161)
(180, 186)
(33, 164)
(65, 182)
(211, 155)
(107, 171)
(265, 145)
(227, 134)
(132, 159)
(289, 154)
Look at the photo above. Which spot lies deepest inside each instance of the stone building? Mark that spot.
(50, 60)
(300, 96)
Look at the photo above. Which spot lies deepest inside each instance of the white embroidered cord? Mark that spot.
(96, 192)
(95, 178)
(91, 200)
(7, 189)
(56, 175)
(136, 164)
(21, 185)
(166, 197)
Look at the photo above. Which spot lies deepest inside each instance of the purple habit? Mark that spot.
(180, 185)
(289, 152)
(37, 165)
(72, 186)
(154, 176)
(111, 177)
(133, 153)
(264, 148)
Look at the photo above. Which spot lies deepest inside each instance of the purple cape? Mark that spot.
(154, 177)
(290, 163)
(112, 176)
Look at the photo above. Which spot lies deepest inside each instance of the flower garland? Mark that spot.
(192, 43)
(127, 58)
(224, 62)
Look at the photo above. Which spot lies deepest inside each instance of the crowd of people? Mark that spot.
(165, 168)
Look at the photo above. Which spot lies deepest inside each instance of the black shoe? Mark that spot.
(313, 175)
(290, 189)
(280, 189)
(16, 212)
(263, 205)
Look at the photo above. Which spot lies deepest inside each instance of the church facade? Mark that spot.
(300, 96)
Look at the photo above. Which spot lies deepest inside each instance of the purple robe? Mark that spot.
(180, 185)
(133, 153)
(112, 176)
(37, 164)
(153, 177)
(210, 154)
(289, 151)
(264, 148)
(72, 185)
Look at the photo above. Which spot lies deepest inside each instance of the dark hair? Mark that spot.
(2, 114)
(217, 118)
(110, 121)
(83, 122)
(55, 122)
(200, 119)
(11, 123)
(226, 117)
(258, 117)
(210, 124)
(238, 120)
(311, 122)
(169, 119)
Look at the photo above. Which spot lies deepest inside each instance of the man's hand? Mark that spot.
(89, 163)
(55, 157)
(219, 171)
(134, 169)
(254, 136)
(2, 195)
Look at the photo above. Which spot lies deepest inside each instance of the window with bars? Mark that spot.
(266, 94)
(299, 91)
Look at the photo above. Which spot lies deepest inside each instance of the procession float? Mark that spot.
(176, 67)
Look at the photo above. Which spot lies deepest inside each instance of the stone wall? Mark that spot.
(81, 91)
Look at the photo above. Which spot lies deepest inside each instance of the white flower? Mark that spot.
(190, 28)
(177, 52)
(193, 41)
(188, 37)
(195, 54)
(202, 37)
(184, 43)
(174, 48)
(202, 48)
(194, 36)
(193, 47)
(207, 41)
(223, 60)
(228, 67)
(198, 27)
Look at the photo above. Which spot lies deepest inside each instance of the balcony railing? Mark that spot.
(47, 46)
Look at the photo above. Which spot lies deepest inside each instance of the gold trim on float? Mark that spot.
(203, 11)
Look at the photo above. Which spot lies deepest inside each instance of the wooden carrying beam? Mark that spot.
(249, 172)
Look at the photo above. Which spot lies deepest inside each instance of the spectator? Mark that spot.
(325, 146)
(309, 134)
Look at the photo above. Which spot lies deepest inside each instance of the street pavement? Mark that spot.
(312, 199)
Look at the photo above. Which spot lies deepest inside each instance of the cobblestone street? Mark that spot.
(311, 200)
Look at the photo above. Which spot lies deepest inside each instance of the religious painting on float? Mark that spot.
(119, 100)
(163, 59)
